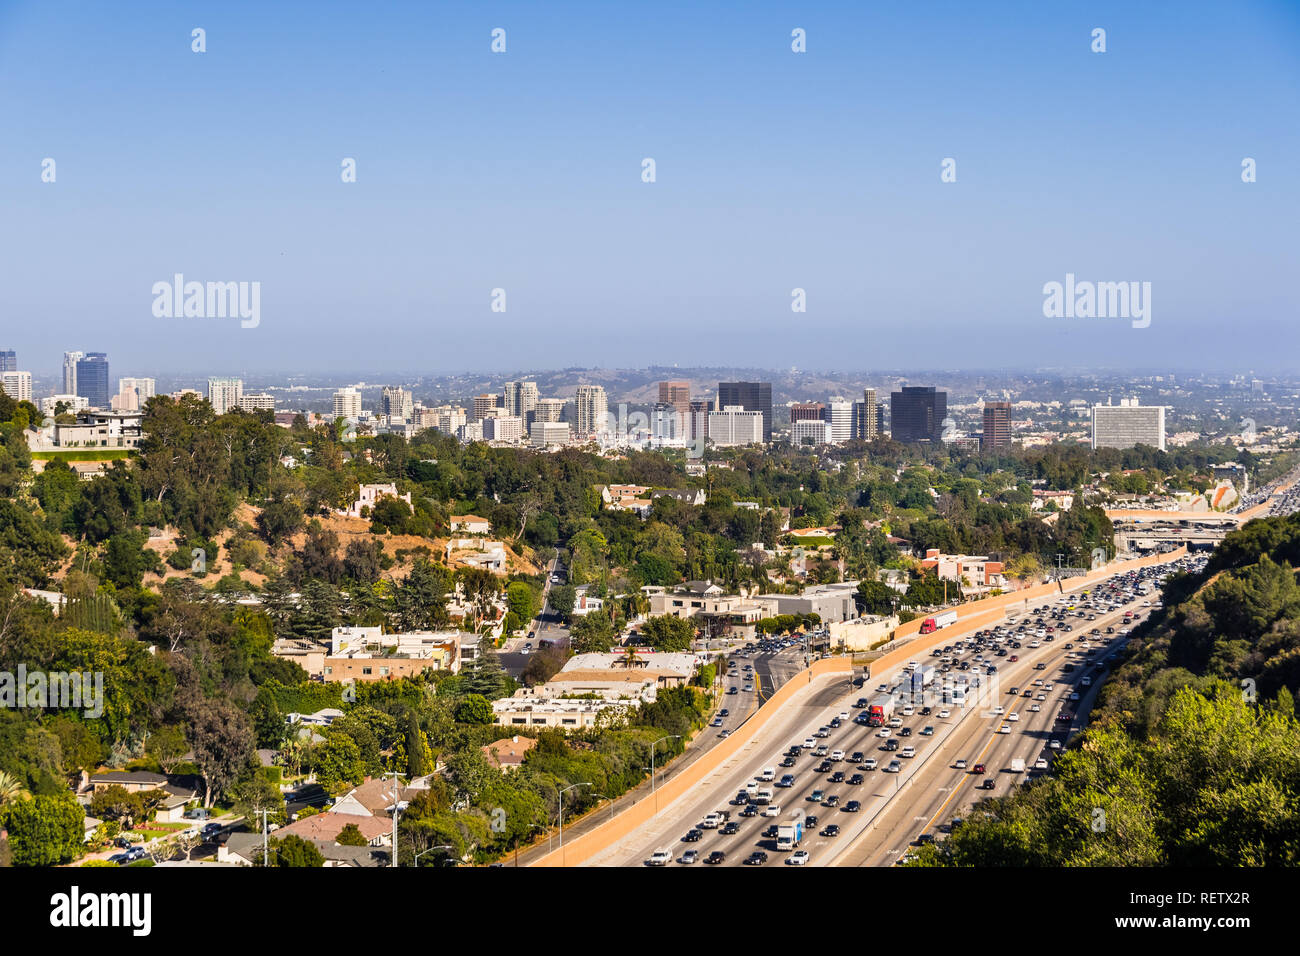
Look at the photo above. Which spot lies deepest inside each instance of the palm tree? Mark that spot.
(11, 789)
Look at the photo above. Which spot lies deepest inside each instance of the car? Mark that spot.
(884, 732)
(748, 688)
(989, 783)
(724, 713)
(660, 858)
(869, 764)
(693, 835)
(927, 730)
(1074, 696)
(787, 780)
(823, 732)
(908, 751)
(895, 766)
(121, 859)
(1013, 658)
(716, 722)
(809, 743)
(788, 762)
(724, 733)
(1035, 708)
(771, 810)
(730, 829)
(733, 690)
(831, 830)
(750, 811)
(857, 780)
(757, 858)
(816, 795)
(1040, 763)
(797, 858)
(896, 722)
(945, 713)
(1054, 744)
(905, 732)
(717, 856)
(836, 777)
(978, 768)
(821, 751)
(891, 745)
(1013, 717)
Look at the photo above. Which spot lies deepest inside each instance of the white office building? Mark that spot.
(735, 426)
(811, 431)
(1128, 424)
(592, 410)
(347, 403)
(17, 385)
(840, 414)
(224, 394)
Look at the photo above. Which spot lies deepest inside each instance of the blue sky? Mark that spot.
(775, 170)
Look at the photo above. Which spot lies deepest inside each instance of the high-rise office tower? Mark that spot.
(347, 403)
(396, 402)
(92, 379)
(8, 361)
(917, 413)
(484, 406)
(70, 360)
(839, 415)
(737, 426)
(678, 395)
(519, 398)
(697, 425)
(224, 394)
(752, 397)
(17, 385)
(132, 393)
(549, 410)
(592, 408)
(1128, 424)
(866, 416)
(807, 412)
(997, 426)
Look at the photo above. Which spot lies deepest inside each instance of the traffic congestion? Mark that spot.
(1025, 677)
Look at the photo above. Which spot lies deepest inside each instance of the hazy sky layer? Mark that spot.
(775, 170)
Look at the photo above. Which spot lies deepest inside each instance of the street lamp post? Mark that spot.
(652, 758)
(562, 793)
(441, 846)
(397, 808)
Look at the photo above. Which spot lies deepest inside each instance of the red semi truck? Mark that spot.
(880, 710)
(932, 624)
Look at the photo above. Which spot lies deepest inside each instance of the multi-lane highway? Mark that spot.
(895, 808)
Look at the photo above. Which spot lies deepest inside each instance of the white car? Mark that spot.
(869, 764)
(945, 713)
(1035, 708)
(798, 858)
(1013, 717)
(1048, 686)
(960, 764)
(771, 810)
(837, 754)
(1040, 763)
(1004, 729)
(884, 732)
(908, 711)
(844, 715)
(661, 858)
(999, 710)
(896, 722)
(907, 752)
(1054, 745)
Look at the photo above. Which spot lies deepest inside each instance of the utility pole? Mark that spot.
(266, 846)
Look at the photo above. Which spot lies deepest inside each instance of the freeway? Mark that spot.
(747, 830)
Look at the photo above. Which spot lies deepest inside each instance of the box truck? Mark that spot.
(789, 834)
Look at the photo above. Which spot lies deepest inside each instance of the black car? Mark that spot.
(693, 836)
(926, 711)
(824, 767)
(831, 830)
(788, 762)
(852, 806)
(717, 856)
(836, 777)
(724, 713)
(731, 828)
(856, 780)
(905, 732)
(757, 858)
(891, 744)
(749, 811)
(858, 757)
